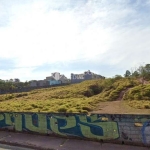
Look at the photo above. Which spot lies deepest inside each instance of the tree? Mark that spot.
(118, 77)
(147, 71)
(127, 74)
(135, 74)
(142, 72)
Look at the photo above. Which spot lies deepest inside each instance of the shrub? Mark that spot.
(21, 94)
(137, 96)
(34, 105)
(62, 109)
(71, 110)
(88, 93)
(10, 96)
(86, 108)
(84, 111)
(147, 106)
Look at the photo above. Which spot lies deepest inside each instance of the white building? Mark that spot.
(56, 75)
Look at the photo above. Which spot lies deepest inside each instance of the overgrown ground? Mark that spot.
(83, 97)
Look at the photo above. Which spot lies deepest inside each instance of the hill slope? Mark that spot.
(82, 97)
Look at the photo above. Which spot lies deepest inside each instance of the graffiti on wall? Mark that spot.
(131, 128)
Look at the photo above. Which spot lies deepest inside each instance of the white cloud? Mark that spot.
(103, 32)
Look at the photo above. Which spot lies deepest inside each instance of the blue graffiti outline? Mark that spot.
(142, 130)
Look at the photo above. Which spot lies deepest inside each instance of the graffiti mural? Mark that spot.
(127, 128)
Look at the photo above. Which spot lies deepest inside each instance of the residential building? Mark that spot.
(55, 79)
(50, 78)
(56, 76)
(63, 79)
(54, 82)
(87, 75)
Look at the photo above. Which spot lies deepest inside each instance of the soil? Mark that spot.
(119, 107)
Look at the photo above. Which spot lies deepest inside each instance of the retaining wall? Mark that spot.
(118, 128)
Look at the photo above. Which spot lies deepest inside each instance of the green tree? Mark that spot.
(127, 74)
(147, 71)
(117, 77)
(135, 74)
(142, 72)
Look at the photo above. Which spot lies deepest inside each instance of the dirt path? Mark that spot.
(119, 107)
(122, 94)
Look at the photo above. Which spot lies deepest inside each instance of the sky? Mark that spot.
(38, 37)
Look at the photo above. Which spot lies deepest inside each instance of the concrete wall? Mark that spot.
(131, 129)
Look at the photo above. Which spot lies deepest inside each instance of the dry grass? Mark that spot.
(82, 97)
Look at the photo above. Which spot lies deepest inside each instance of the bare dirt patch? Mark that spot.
(118, 107)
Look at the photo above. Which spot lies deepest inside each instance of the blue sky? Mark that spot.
(38, 37)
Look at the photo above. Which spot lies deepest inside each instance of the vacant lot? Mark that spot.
(103, 96)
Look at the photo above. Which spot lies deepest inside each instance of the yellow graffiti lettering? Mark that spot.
(42, 123)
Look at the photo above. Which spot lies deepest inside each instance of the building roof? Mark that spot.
(51, 78)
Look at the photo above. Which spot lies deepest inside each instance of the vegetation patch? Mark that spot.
(83, 97)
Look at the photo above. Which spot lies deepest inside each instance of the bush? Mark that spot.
(88, 93)
(34, 105)
(71, 110)
(22, 94)
(147, 106)
(137, 96)
(62, 109)
(84, 111)
(10, 96)
(86, 108)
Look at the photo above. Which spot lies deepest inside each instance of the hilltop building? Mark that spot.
(87, 75)
(55, 79)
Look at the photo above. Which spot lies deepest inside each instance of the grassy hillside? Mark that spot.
(82, 97)
(138, 96)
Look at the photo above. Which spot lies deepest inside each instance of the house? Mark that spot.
(56, 75)
(87, 75)
(56, 78)
(63, 79)
(50, 78)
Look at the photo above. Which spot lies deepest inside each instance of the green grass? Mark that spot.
(138, 97)
(82, 97)
(140, 92)
(140, 104)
